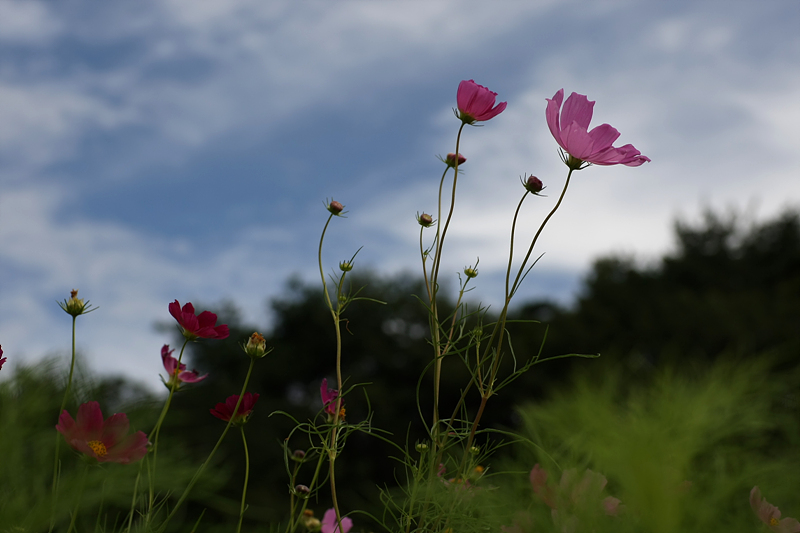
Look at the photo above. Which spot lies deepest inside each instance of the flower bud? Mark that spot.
(422, 447)
(256, 346)
(471, 272)
(302, 491)
(310, 522)
(299, 456)
(335, 207)
(450, 160)
(75, 306)
(345, 266)
(474, 450)
(533, 184)
(425, 220)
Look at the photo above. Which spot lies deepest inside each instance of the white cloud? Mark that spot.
(26, 22)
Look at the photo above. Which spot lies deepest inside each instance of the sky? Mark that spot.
(184, 149)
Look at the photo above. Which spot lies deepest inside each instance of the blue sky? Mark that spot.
(182, 149)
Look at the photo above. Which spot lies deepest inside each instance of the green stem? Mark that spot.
(133, 500)
(246, 477)
(205, 464)
(56, 462)
(173, 386)
(78, 499)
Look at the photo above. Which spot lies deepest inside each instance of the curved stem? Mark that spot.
(246, 477)
(205, 464)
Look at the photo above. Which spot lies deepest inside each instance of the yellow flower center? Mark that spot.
(773, 521)
(97, 447)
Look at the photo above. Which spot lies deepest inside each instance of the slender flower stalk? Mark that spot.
(246, 477)
(205, 464)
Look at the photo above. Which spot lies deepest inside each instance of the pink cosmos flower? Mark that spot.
(329, 524)
(570, 130)
(770, 515)
(105, 441)
(178, 373)
(328, 397)
(476, 102)
(2, 359)
(197, 327)
(224, 411)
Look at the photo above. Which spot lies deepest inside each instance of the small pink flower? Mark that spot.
(538, 479)
(476, 102)
(329, 524)
(178, 373)
(105, 441)
(570, 130)
(770, 515)
(197, 327)
(450, 160)
(2, 359)
(328, 397)
(224, 411)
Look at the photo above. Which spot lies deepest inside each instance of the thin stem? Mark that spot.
(205, 464)
(78, 499)
(173, 386)
(58, 436)
(246, 477)
(133, 499)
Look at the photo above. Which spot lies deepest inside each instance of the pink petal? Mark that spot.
(89, 421)
(114, 429)
(222, 331)
(175, 311)
(787, 525)
(603, 136)
(207, 319)
(499, 108)
(552, 115)
(131, 449)
(577, 141)
(465, 94)
(578, 109)
(191, 377)
(66, 425)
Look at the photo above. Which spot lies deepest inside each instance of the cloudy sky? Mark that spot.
(182, 149)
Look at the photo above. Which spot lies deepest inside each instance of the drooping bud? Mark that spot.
(533, 184)
(299, 456)
(335, 207)
(256, 346)
(450, 160)
(425, 220)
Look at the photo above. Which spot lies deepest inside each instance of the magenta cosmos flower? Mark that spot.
(178, 373)
(201, 326)
(329, 400)
(329, 524)
(770, 515)
(476, 102)
(224, 411)
(571, 131)
(106, 441)
(2, 359)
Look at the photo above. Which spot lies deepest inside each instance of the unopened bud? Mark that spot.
(422, 447)
(311, 523)
(474, 450)
(75, 306)
(302, 491)
(256, 346)
(471, 272)
(345, 266)
(533, 184)
(450, 160)
(299, 456)
(425, 220)
(335, 207)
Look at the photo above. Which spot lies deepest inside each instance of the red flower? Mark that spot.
(476, 102)
(201, 326)
(105, 441)
(224, 411)
(178, 374)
